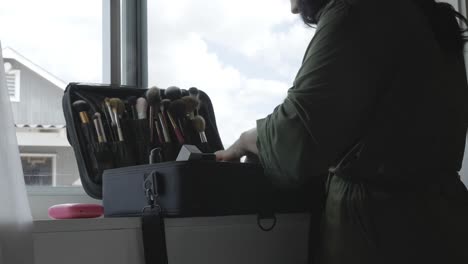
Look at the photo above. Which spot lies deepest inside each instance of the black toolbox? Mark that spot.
(117, 170)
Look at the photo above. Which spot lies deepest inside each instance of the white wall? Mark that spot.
(215, 240)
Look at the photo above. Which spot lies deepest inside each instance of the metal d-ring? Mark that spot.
(266, 229)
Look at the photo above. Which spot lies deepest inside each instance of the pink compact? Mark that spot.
(71, 211)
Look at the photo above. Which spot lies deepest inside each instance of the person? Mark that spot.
(381, 102)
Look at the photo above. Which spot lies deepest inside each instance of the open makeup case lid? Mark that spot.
(94, 95)
(187, 188)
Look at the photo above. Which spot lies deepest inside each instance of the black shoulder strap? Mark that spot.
(152, 224)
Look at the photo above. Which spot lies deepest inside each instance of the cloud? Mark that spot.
(263, 31)
(182, 52)
(235, 97)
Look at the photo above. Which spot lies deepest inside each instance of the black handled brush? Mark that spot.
(82, 108)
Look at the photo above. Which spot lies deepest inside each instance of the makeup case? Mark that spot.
(118, 170)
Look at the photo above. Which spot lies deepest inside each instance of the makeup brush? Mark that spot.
(191, 105)
(175, 127)
(107, 122)
(199, 124)
(120, 108)
(132, 100)
(154, 99)
(162, 117)
(141, 107)
(82, 108)
(158, 131)
(178, 109)
(109, 109)
(141, 129)
(173, 93)
(99, 128)
(117, 109)
(193, 92)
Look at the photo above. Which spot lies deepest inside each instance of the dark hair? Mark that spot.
(442, 17)
(309, 10)
(444, 21)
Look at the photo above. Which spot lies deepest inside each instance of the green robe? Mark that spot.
(374, 72)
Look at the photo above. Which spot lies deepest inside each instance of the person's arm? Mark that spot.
(333, 98)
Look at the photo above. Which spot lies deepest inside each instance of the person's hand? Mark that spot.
(233, 153)
(247, 143)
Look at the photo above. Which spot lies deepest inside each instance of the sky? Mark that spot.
(243, 53)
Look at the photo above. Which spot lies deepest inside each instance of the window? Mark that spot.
(37, 72)
(13, 82)
(39, 169)
(243, 57)
(46, 45)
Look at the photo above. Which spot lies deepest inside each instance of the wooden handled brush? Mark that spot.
(166, 104)
(153, 96)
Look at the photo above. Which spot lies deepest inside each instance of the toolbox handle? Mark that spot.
(261, 217)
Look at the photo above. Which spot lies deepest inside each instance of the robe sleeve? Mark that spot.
(332, 100)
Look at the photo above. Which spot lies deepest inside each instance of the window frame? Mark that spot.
(125, 42)
(54, 166)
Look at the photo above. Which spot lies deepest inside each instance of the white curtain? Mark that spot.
(16, 246)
